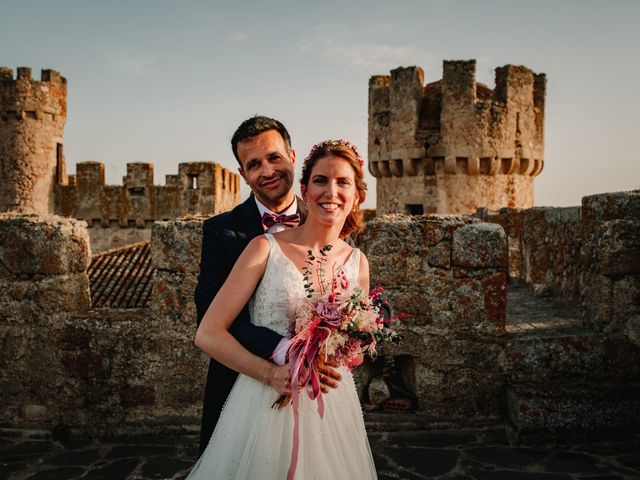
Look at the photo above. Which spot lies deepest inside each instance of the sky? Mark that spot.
(169, 81)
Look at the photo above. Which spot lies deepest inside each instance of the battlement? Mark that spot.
(23, 96)
(199, 187)
(455, 126)
(24, 74)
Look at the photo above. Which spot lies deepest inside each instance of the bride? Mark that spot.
(253, 440)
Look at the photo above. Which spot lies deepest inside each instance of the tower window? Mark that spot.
(193, 181)
(59, 163)
(136, 192)
(415, 209)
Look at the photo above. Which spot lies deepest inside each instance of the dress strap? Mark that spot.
(272, 241)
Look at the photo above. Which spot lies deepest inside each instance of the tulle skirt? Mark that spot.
(254, 441)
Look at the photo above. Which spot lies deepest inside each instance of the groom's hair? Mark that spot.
(253, 127)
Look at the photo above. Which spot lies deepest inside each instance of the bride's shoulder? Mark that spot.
(258, 248)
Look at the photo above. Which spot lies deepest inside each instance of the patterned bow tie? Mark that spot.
(269, 220)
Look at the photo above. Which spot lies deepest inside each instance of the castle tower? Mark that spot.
(32, 117)
(455, 145)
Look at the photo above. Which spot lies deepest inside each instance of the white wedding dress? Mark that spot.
(253, 440)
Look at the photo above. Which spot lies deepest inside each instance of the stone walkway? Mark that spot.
(482, 454)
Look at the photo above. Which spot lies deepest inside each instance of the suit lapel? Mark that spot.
(249, 221)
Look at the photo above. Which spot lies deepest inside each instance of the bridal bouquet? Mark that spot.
(338, 321)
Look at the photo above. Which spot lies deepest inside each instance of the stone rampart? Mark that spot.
(67, 368)
(448, 274)
(118, 215)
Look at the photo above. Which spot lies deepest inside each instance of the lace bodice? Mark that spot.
(281, 288)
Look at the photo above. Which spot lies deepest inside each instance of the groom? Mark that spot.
(262, 147)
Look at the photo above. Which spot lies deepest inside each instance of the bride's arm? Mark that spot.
(213, 335)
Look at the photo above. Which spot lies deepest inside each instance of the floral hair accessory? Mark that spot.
(336, 143)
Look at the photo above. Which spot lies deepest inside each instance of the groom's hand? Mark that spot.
(329, 376)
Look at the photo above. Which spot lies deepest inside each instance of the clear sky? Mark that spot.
(168, 81)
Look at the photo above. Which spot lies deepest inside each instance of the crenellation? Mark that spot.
(199, 187)
(6, 73)
(459, 136)
(23, 73)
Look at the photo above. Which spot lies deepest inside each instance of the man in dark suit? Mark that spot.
(262, 147)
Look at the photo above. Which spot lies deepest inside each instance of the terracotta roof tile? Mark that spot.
(121, 278)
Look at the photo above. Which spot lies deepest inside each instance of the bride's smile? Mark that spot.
(331, 191)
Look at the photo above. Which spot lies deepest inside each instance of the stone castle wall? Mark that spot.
(104, 371)
(64, 366)
(32, 118)
(119, 215)
(455, 145)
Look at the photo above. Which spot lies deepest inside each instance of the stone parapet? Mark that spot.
(610, 263)
(448, 274)
(42, 246)
(43, 284)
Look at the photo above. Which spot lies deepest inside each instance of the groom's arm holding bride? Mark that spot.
(214, 335)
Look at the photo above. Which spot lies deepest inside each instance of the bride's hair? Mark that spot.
(347, 151)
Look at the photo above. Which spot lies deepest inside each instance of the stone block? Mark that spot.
(620, 247)
(42, 245)
(481, 245)
(565, 408)
(556, 357)
(611, 206)
(176, 245)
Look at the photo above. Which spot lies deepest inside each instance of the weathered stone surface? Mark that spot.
(584, 408)
(510, 220)
(482, 245)
(550, 245)
(454, 332)
(610, 293)
(50, 245)
(176, 245)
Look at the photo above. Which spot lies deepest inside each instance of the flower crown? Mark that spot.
(336, 143)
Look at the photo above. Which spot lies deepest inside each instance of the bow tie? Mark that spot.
(269, 220)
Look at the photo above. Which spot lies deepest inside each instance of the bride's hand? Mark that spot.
(329, 376)
(278, 378)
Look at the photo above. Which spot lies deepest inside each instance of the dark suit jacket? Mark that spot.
(224, 237)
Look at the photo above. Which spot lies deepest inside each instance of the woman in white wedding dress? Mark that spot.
(252, 440)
